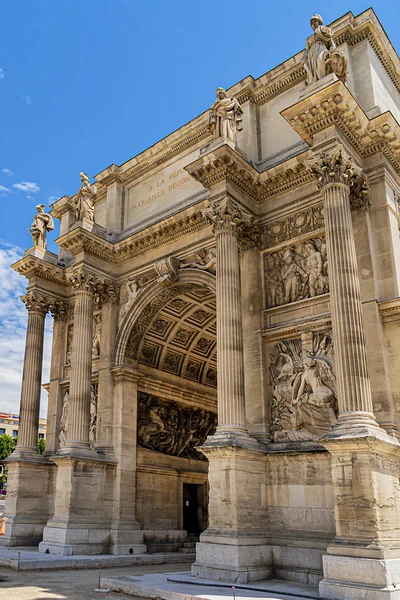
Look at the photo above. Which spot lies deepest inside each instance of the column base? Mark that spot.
(68, 539)
(223, 557)
(28, 500)
(355, 578)
(126, 538)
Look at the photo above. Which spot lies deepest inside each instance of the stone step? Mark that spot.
(185, 550)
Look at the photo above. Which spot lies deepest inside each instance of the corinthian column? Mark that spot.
(81, 361)
(343, 184)
(37, 306)
(227, 218)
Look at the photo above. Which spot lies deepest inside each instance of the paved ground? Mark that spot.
(68, 584)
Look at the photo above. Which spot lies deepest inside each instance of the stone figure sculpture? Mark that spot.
(225, 118)
(321, 56)
(304, 401)
(172, 429)
(96, 335)
(84, 200)
(297, 272)
(93, 413)
(129, 293)
(206, 261)
(62, 437)
(42, 223)
(70, 336)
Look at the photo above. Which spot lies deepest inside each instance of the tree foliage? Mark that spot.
(41, 445)
(7, 445)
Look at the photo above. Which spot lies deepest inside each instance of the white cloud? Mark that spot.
(3, 190)
(13, 319)
(1, 74)
(8, 172)
(27, 186)
(52, 199)
(27, 99)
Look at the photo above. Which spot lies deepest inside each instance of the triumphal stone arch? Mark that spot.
(225, 358)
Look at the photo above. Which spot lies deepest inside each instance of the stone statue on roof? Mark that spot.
(42, 223)
(225, 116)
(321, 56)
(84, 199)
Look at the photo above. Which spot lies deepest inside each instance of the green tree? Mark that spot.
(41, 445)
(7, 445)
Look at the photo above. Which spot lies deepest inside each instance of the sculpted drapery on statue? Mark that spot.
(321, 56)
(225, 116)
(42, 222)
(84, 199)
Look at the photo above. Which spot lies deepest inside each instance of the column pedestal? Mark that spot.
(82, 508)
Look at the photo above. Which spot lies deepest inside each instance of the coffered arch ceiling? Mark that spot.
(181, 338)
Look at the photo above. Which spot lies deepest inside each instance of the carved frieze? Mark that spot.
(303, 382)
(293, 226)
(296, 272)
(168, 427)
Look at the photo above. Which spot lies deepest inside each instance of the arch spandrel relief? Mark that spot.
(303, 389)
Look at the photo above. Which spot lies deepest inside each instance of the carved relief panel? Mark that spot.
(303, 385)
(296, 272)
(168, 427)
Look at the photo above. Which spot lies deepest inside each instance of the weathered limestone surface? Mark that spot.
(243, 271)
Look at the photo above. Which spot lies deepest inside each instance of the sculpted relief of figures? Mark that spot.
(321, 56)
(42, 223)
(304, 403)
(63, 429)
(173, 429)
(62, 436)
(297, 272)
(225, 118)
(96, 335)
(206, 260)
(93, 413)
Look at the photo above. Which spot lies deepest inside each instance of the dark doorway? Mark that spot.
(191, 508)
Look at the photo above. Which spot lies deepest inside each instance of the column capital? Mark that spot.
(335, 168)
(35, 302)
(82, 280)
(106, 291)
(227, 215)
(59, 310)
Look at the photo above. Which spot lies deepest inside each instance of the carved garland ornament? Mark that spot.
(304, 402)
(173, 429)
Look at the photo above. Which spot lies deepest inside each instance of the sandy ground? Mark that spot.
(71, 584)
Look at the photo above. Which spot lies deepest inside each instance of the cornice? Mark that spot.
(31, 266)
(390, 310)
(335, 105)
(61, 206)
(225, 164)
(278, 180)
(296, 328)
(80, 240)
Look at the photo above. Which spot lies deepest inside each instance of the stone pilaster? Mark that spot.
(126, 537)
(365, 553)
(60, 312)
(37, 306)
(81, 360)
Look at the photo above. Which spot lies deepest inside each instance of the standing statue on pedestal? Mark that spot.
(321, 56)
(42, 222)
(225, 116)
(84, 199)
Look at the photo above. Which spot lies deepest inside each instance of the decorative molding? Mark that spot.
(390, 311)
(294, 226)
(319, 323)
(31, 266)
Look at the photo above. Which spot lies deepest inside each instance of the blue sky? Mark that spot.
(85, 83)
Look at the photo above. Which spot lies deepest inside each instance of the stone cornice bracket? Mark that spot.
(60, 310)
(80, 240)
(336, 168)
(31, 266)
(167, 270)
(225, 164)
(36, 302)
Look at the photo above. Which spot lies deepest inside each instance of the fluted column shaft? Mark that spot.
(231, 403)
(31, 379)
(339, 177)
(81, 370)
